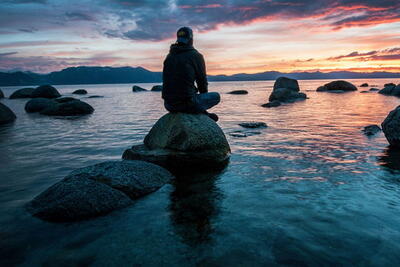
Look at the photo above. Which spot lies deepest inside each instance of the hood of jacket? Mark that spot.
(177, 49)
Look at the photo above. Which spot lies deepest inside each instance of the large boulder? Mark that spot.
(396, 91)
(6, 114)
(284, 82)
(1, 94)
(157, 88)
(134, 178)
(391, 127)
(38, 104)
(80, 92)
(77, 197)
(388, 89)
(22, 93)
(286, 95)
(136, 88)
(68, 107)
(337, 86)
(45, 91)
(180, 140)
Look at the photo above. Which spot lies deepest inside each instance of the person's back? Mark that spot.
(184, 66)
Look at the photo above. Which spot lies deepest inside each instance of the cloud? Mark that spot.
(79, 16)
(7, 54)
(383, 54)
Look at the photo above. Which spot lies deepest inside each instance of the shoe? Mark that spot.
(213, 116)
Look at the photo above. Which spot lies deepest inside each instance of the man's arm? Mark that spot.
(201, 75)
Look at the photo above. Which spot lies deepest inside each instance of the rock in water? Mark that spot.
(68, 107)
(364, 85)
(396, 91)
(77, 197)
(1, 94)
(134, 178)
(180, 140)
(238, 92)
(136, 88)
(22, 93)
(80, 92)
(371, 130)
(388, 89)
(38, 104)
(391, 127)
(337, 86)
(6, 114)
(45, 91)
(374, 89)
(271, 104)
(253, 124)
(157, 88)
(284, 82)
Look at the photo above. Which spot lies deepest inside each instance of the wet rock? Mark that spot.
(157, 88)
(38, 104)
(374, 89)
(80, 92)
(391, 127)
(389, 85)
(45, 91)
(68, 107)
(64, 99)
(242, 134)
(95, 96)
(180, 140)
(1, 94)
(238, 92)
(77, 197)
(371, 130)
(388, 90)
(6, 114)
(284, 82)
(253, 124)
(396, 91)
(136, 88)
(337, 86)
(134, 178)
(271, 104)
(365, 92)
(22, 93)
(364, 85)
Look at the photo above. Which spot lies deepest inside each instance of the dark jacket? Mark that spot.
(182, 67)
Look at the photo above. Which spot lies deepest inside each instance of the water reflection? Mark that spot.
(390, 159)
(195, 202)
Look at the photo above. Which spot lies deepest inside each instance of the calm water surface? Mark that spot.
(309, 190)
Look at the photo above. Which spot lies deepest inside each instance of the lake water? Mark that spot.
(309, 190)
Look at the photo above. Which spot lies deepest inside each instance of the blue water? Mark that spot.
(309, 190)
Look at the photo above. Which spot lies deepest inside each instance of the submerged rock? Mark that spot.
(374, 89)
(136, 88)
(391, 127)
(77, 197)
(68, 107)
(337, 86)
(238, 92)
(22, 93)
(134, 178)
(364, 85)
(1, 94)
(371, 130)
(253, 124)
(6, 114)
(157, 88)
(180, 140)
(45, 91)
(38, 104)
(242, 134)
(95, 96)
(271, 104)
(80, 92)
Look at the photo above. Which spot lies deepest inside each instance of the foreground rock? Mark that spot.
(80, 92)
(157, 88)
(38, 104)
(253, 124)
(183, 141)
(134, 178)
(391, 127)
(97, 190)
(136, 88)
(22, 93)
(1, 94)
(391, 89)
(371, 130)
(45, 91)
(238, 92)
(77, 197)
(68, 106)
(285, 90)
(6, 114)
(337, 86)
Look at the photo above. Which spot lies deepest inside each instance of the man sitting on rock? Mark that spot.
(183, 66)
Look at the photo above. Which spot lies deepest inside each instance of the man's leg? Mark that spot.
(208, 100)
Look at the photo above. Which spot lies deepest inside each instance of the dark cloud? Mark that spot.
(79, 16)
(26, 1)
(7, 54)
(384, 54)
(28, 30)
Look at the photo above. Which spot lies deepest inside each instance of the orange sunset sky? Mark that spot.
(234, 36)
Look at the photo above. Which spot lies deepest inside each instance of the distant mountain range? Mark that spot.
(110, 75)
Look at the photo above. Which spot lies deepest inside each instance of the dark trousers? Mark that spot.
(198, 104)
